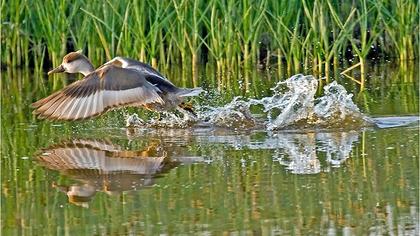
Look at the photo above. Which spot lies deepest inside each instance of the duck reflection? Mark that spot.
(101, 166)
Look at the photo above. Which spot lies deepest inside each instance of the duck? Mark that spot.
(121, 82)
(101, 166)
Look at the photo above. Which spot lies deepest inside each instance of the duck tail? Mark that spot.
(189, 92)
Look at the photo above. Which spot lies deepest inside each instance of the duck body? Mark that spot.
(170, 94)
(118, 83)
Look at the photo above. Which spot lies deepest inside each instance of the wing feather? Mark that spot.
(110, 86)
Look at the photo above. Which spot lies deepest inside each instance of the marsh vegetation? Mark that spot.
(308, 36)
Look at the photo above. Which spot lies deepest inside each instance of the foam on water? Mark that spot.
(391, 122)
(177, 119)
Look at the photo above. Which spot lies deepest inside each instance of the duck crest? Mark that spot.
(72, 56)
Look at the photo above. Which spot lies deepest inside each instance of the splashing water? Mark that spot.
(133, 121)
(167, 120)
(336, 108)
(293, 104)
(172, 120)
(235, 114)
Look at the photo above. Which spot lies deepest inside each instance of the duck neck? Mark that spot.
(87, 68)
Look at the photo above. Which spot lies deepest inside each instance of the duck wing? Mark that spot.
(150, 74)
(155, 77)
(97, 155)
(108, 87)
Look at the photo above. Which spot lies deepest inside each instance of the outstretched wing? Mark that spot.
(97, 155)
(107, 87)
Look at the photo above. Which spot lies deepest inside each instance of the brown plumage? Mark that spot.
(73, 56)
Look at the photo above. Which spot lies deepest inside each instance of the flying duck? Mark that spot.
(118, 83)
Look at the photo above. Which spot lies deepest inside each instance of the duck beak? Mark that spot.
(58, 69)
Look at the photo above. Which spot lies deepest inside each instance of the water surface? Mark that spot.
(99, 178)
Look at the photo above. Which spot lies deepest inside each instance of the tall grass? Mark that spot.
(306, 35)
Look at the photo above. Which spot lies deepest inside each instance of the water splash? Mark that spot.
(391, 122)
(293, 99)
(235, 114)
(164, 120)
(173, 120)
(336, 108)
(293, 103)
(134, 121)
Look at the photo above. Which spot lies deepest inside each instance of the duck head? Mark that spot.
(74, 62)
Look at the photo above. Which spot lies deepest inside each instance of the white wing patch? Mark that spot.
(71, 158)
(139, 95)
(64, 107)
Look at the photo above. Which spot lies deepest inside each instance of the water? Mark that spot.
(294, 105)
(265, 162)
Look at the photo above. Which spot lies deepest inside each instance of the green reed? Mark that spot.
(306, 35)
(401, 15)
